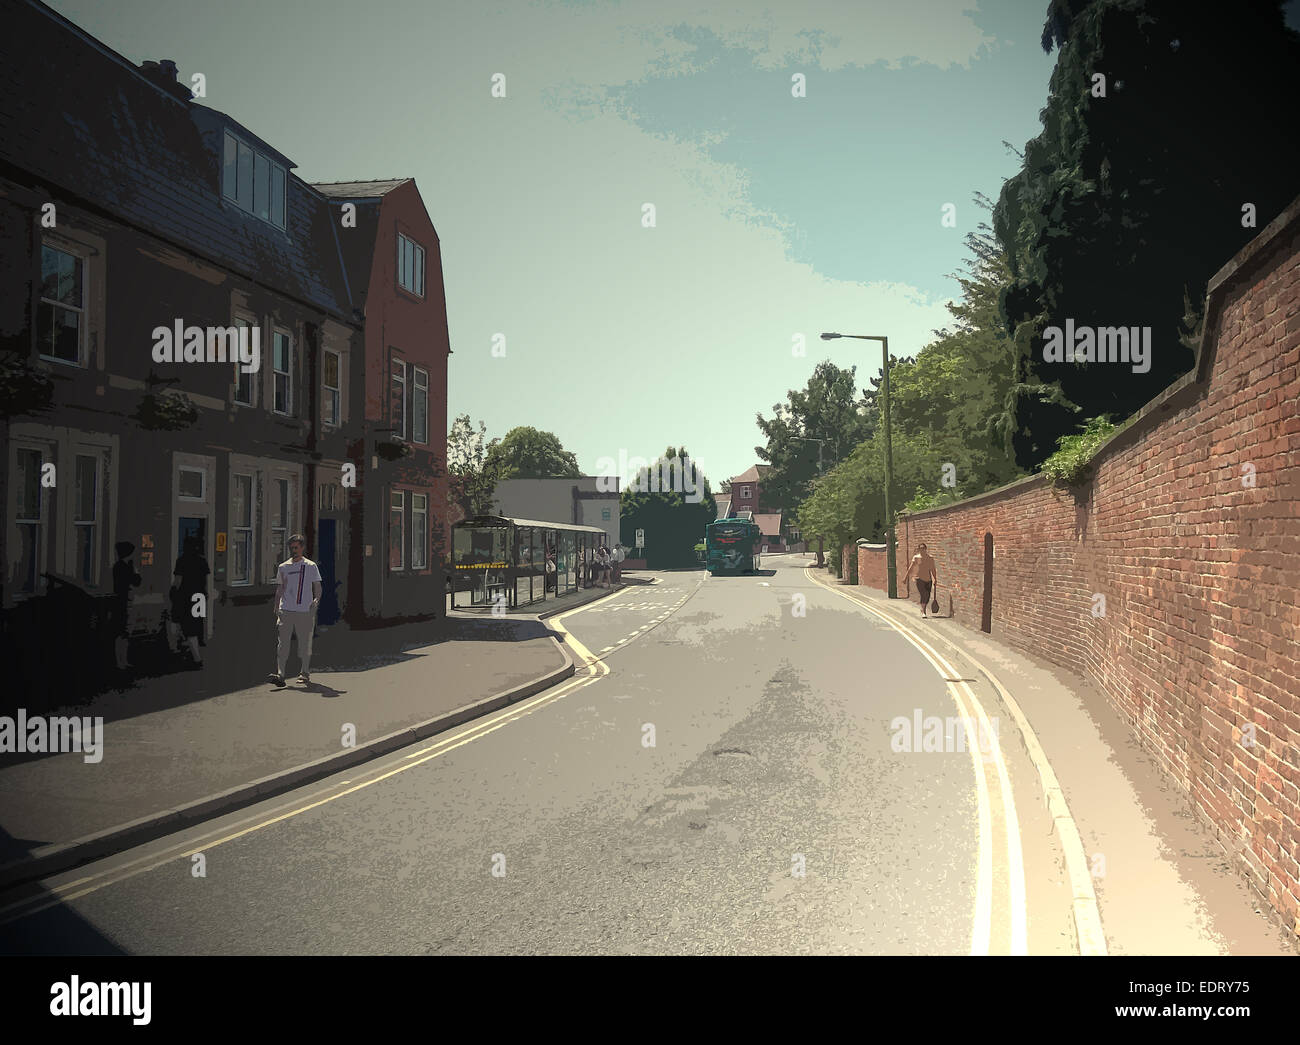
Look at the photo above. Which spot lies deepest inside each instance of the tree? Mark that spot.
(1137, 191)
(470, 481)
(674, 519)
(957, 388)
(814, 430)
(526, 453)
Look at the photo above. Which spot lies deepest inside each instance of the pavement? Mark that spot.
(184, 748)
(1163, 884)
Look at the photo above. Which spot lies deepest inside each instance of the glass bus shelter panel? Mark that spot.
(480, 544)
(538, 568)
(570, 551)
(524, 567)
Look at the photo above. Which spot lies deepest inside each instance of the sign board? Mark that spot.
(146, 540)
(640, 538)
(604, 515)
(146, 558)
(221, 540)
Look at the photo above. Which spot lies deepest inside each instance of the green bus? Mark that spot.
(732, 545)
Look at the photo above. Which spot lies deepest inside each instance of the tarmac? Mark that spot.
(1163, 882)
(193, 745)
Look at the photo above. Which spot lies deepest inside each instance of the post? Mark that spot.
(891, 565)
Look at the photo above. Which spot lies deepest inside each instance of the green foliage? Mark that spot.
(923, 501)
(23, 389)
(1097, 225)
(814, 430)
(1071, 464)
(672, 524)
(526, 453)
(470, 483)
(165, 410)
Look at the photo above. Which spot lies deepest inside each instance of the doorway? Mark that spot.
(986, 611)
(328, 611)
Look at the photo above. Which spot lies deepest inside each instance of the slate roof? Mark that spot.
(753, 475)
(80, 121)
(357, 189)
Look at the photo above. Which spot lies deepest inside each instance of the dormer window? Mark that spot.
(253, 181)
(410, 265)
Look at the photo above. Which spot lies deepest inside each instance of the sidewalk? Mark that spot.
(183, 748)
(1165, 886)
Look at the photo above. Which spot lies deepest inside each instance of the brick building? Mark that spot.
(133, 214)
(746, 495)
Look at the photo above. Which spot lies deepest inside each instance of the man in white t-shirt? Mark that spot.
(297, 594)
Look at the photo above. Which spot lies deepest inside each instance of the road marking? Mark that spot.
(1090, 936)
(982, 928)
(142, 865)
(596, 670)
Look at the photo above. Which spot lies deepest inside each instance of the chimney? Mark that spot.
(163, 74)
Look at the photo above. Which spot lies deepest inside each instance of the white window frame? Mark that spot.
(40, 521)
(334, 391)
(230, 186)
(420, 391)
(286, 374)
(251, 529)
(238, 322)
(203, 483)
(399, 395)
(400, 508)
(410, 274)
(94, 524)
(81, 311)
(744, 493)
(420, 555)
(279, 550)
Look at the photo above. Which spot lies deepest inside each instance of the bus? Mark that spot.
(732, 545)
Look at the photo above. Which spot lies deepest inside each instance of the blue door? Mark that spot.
(328, 611)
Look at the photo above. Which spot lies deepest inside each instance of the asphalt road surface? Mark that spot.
(727, 773)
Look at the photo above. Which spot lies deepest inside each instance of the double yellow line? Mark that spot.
(976, 723)
(591, 670)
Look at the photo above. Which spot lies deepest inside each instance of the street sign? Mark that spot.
(640, 538)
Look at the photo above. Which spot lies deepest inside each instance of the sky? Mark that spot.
(775, 217)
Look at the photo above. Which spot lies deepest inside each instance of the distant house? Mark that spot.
(746, 495)
(724, 507)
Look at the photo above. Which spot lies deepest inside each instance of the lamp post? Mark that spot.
(891, 566)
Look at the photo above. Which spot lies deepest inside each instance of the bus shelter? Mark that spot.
(516, 562)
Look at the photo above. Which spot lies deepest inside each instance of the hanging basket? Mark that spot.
(166, 411)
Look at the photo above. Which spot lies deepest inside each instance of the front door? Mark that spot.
(195, 526)
(328, 611)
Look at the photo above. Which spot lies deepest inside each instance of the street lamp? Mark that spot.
(891, 566)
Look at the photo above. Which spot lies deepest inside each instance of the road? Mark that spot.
(722, 776)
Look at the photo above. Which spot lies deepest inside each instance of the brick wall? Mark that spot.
(872, 568)
(1198, 562)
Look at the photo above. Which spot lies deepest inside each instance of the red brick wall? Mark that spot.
(872, 569)
(1199, 571)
